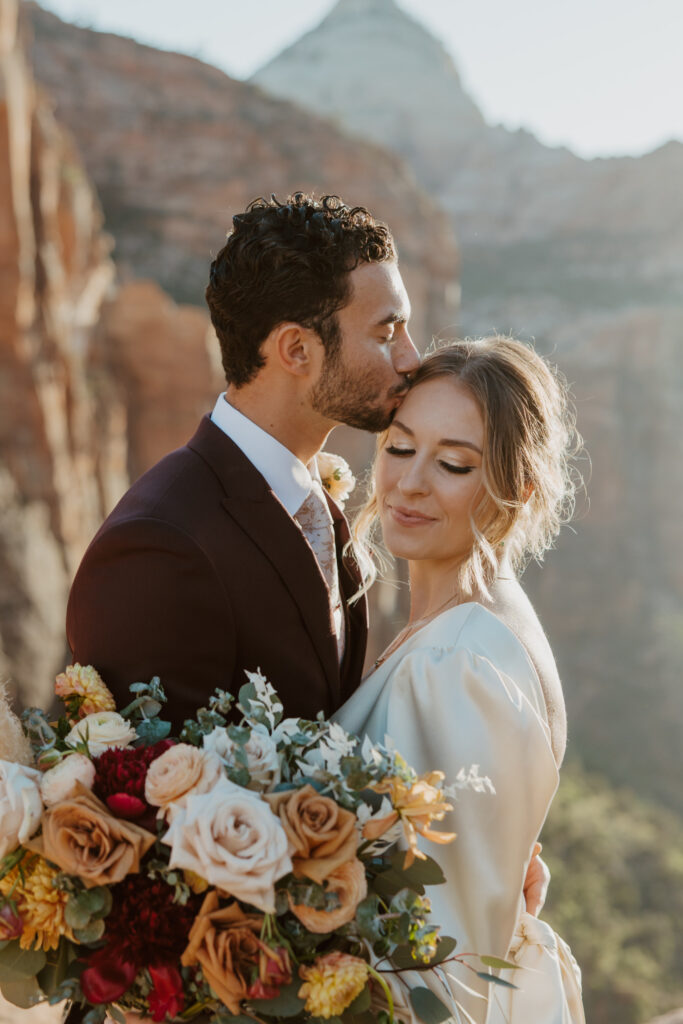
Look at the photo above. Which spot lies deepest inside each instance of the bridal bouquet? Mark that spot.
(245, 870)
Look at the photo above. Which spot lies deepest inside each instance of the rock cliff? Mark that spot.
(80, 359)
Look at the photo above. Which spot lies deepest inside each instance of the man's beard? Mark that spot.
(351, 398)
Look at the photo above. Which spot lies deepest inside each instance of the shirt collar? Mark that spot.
(288, 478)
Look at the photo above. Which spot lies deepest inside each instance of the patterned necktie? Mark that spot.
(315, 519)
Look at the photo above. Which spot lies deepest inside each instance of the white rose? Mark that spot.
(60, 782)
(262, 758)
(101, 730)
(21, 807)
(231, 838)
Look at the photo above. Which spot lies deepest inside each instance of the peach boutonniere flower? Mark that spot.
(336, 477)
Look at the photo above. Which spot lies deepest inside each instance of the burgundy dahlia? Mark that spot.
(146, 924)
(120, 777)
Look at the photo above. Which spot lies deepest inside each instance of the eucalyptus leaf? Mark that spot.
(24, 993)
(497, 963)
(427, 1006)
(152, 730)
(420, 872)
(93, 932)
(96, 1015)
(17, 963)
(287, 1004)
(360, 1004)
(495, 980)
(55, 970)
(76, 915)
(247, 693)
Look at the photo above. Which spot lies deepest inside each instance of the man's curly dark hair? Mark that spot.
(288, 262)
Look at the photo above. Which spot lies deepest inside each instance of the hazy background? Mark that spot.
(529, 159)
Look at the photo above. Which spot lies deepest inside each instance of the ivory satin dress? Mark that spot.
(463, 691)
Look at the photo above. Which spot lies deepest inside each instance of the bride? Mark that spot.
(472, 479)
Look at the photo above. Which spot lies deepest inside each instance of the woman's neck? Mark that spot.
(434, 586)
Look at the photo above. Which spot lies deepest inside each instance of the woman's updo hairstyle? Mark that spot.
(530, 440)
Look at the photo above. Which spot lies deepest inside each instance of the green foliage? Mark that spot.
(427, 1006)
(616, 896)
(287, 1004)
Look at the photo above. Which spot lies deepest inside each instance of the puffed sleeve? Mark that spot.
(450, 708)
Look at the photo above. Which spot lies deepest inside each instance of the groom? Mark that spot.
(229, 554)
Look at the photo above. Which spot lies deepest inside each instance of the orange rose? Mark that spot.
(321, 834)
(83, 838)
(350, 886)
(225, 943)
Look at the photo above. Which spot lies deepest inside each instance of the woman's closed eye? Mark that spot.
(456, 469)
(393, 449)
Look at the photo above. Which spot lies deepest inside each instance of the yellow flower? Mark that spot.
(84, 683)
(196, 883)
(332, 983)
(417, 806)
(39, 903)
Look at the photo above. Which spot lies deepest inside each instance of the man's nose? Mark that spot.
(406, 358)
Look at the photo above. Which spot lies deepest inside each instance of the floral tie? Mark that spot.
(315, 519)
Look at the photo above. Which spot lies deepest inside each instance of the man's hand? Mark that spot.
(536, 882)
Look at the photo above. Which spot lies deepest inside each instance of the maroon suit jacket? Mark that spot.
(198, 574)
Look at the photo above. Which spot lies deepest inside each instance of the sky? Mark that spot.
(603, 77)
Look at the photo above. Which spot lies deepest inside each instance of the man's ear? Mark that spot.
(297, 349)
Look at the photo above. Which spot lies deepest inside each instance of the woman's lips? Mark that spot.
(410, 516)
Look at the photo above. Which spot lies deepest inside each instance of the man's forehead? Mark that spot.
(378, 289)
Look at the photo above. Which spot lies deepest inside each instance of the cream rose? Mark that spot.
(262, 758)
(101, 730)
(181, 770)
(59, 782)
(21, 807)
(231, 838)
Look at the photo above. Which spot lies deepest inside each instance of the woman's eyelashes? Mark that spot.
(392, 449)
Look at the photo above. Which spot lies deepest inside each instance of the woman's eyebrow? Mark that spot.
(446, 441)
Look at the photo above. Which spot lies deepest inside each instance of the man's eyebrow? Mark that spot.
(447, 441)
(394, 318)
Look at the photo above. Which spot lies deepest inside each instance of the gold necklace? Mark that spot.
(409, 630)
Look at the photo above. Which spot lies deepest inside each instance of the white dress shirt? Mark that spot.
(288, 478)
(291, 482)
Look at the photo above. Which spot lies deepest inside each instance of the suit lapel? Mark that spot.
(253, 506)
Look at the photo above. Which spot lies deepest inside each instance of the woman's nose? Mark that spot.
(413, 479)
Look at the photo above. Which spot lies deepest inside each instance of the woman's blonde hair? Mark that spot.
(530, 440)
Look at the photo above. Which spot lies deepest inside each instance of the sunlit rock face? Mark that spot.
(61, 445)
(96, 381)
(175, 147)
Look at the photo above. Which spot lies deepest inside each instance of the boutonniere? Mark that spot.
(336, 477)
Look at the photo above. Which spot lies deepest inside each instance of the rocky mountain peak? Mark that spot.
(355, 66)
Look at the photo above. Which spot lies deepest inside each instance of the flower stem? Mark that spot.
(387, 991)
